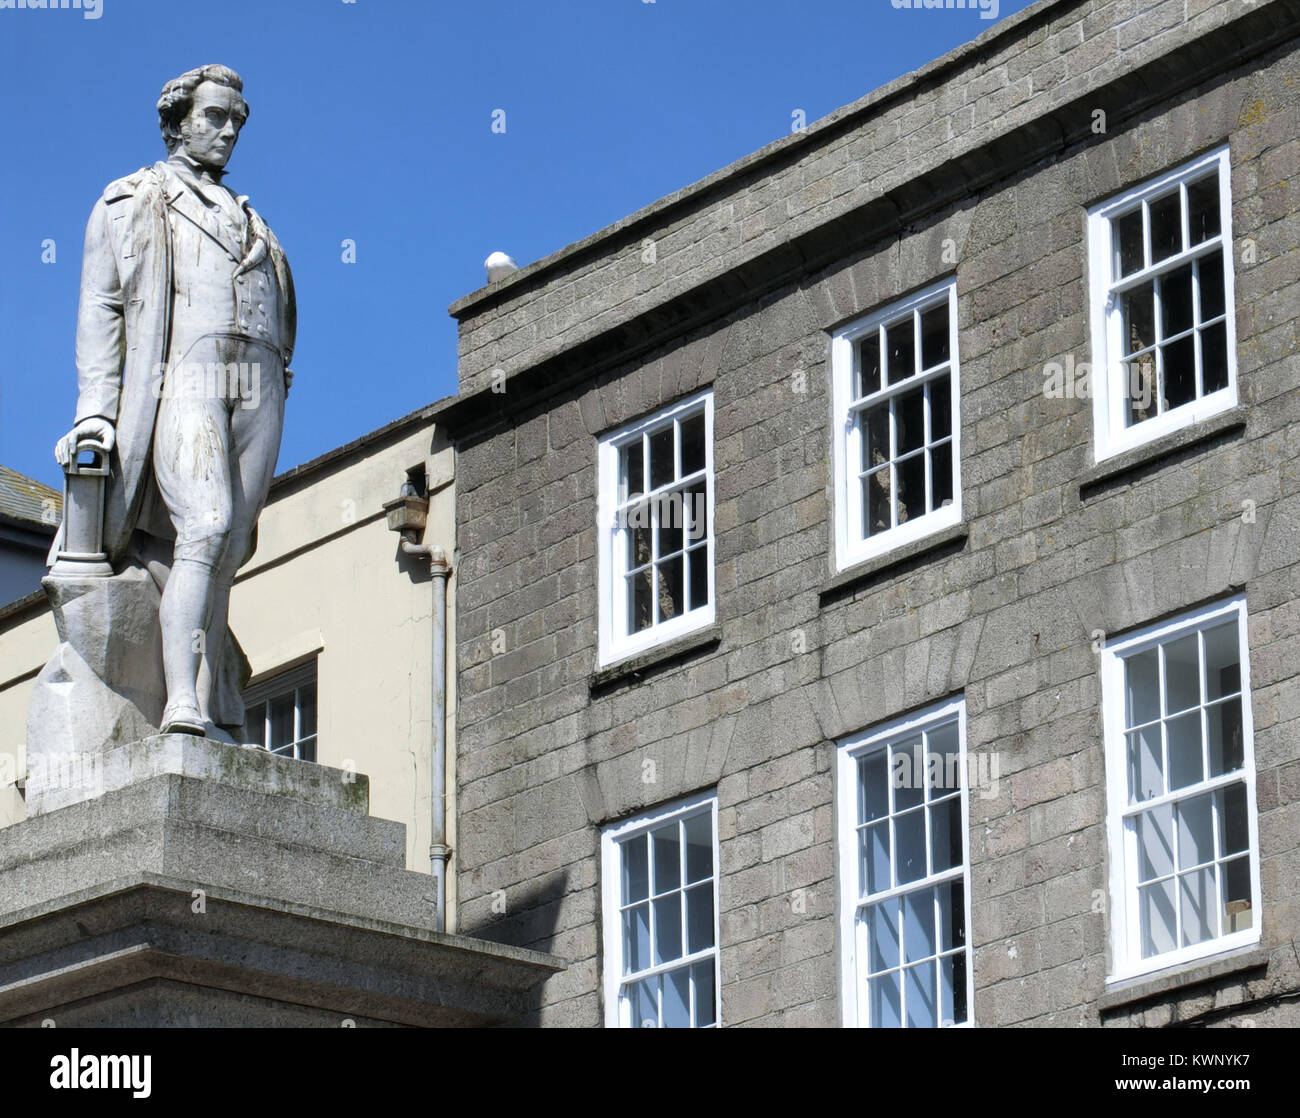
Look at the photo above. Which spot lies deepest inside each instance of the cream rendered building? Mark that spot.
(328, 599)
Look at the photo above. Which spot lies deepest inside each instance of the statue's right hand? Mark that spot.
(96, 428)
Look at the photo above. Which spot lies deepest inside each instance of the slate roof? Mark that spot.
(23, 498)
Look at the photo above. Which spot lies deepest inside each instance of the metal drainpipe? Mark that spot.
(439, 851)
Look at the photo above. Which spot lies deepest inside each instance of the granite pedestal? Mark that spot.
(188, 882)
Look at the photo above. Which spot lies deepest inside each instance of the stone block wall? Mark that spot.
(1055, 553)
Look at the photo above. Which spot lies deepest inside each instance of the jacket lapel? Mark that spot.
(186, 203)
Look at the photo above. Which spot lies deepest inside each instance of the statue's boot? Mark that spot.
(183, 718)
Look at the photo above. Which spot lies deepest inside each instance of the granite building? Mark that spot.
(878, 578)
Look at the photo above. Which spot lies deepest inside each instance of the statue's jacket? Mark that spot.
(124, 328)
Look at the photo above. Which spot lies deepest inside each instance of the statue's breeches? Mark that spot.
(216, 440)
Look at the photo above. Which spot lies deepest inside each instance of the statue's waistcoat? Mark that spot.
(209, 244)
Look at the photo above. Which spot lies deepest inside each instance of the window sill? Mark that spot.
(1146, 986)
(656, 658)
(893, 562)
(1128, 465)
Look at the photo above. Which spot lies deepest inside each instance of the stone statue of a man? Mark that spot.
(184, 335)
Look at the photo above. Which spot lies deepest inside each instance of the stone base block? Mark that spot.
(214, 885)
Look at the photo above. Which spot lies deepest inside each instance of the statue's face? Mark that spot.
(209, 132)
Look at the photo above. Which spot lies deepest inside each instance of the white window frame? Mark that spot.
(616, 1014)
(854, 999)
(290, 681)
(1110, 435)
(1125, 930)
(852, 545)
(616, 642)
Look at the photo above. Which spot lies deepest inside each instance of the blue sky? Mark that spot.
(372, 121)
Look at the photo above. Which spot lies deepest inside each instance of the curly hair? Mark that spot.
(178, 96)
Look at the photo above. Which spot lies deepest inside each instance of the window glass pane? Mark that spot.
(934, 335)
(874, 842)
(1203, 208)
(643, 1008)
(641, 603)
(1197, 898)
(1179, 360)
(910, 473)
(952, 915)
(1226, 734)
(1237, 913)
(255, 724)
(281, 721)
(875, 435)
(918, 925)
(941, 476)
(907, 772)
(677, 999)
(1155, 843)
(1140, 389)
(636, 869)
(1196, 830)
(1176, 301)
(667, 858)
(1145, 772)
(1182, 674)
(945, 834)
(663, 468)
(671, 515)
(1214, 357)
(692, 444)
(909, 839)
(1166, 227)
(307, 710)
(636, 938)
(886, 1002)
(1142, 688)
(1222, 661)
(696, 508)
(900, 345)
(1137, 308)
(882, 935)
(699, 846)
(910, 416)
(1128, 243)
(942, 742)
(1234, 825)
(631, 470)
(1159, 926)
(952, 989)
(672, 601)
(668, 928)
(873, 786)
(699, 564)
(639, 520)
(1184, 739)
(869, 364)
(705, 998)
(699, 917)
(940, 408)
(919, 992)
(877, 495)
(1210, 272)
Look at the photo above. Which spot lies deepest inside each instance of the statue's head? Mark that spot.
(203, 111)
